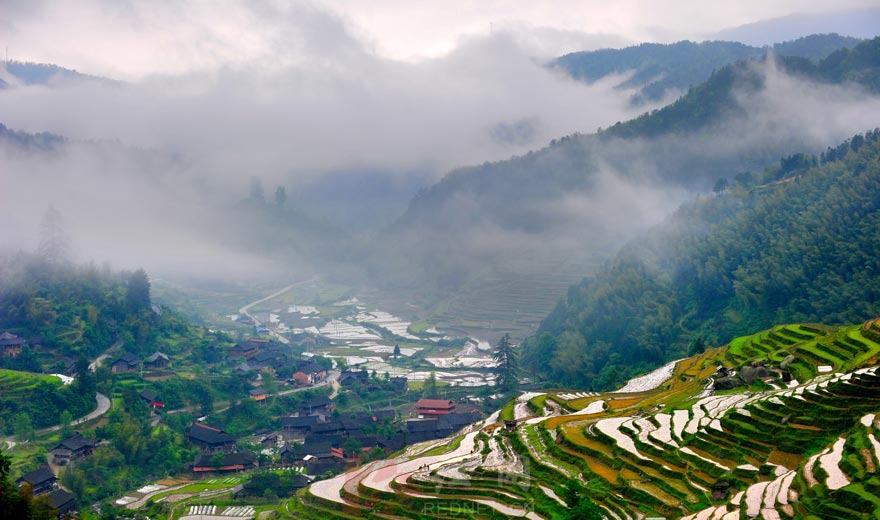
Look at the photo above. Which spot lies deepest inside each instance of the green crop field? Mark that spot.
(15, 384)
(800, 441)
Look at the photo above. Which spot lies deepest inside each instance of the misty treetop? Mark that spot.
(657, 70)
(79, 311)
(798, 244)
(718, 129)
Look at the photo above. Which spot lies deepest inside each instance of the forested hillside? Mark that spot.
(656, 69)
(487, 231)
(797, 242)
(30, 73)
(81, 311)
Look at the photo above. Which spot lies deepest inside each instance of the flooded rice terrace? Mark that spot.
(365, 337)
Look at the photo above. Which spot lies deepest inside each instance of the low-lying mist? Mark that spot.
(160, 172)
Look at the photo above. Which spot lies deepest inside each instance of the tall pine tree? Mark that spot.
(505, 357)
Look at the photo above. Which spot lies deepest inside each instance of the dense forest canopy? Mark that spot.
(657, 69)
(79, 311)
(513, 218)
(797, 242)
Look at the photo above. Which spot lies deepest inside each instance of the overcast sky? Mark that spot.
(130, 38)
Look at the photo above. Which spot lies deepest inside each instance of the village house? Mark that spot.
(301, 379)
(152, 400)
(128, 362)
(224, 462)
(259, 394)
(314, 370)
(66, 365)
(10, 344)
(271, 440)
(210, 439)
(72, 448)
(40, 480)
(62, 502)
(157, 361)
(320, 405)
(320, 464)
(350, 378)
(298, 426)
(240, 350)
(437, 427)
(419, 430)
(434, 407)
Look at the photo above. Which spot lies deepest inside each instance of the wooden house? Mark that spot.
(126, 363)
(62, 503)
(10, 345)
(40, 480)
(210, 438)
(157, 361)
(320, 405)
(224, 462)
(72, 448)
(435, 407)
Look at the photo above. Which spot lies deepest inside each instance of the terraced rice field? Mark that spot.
(15, 384)
(801, 448)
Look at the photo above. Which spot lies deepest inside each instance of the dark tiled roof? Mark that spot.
(316, 448)
(310, 367)
(334, 439)
(61, 500)
(299, 481)
(156, 356)
(460, 420)
(328, 427)
(148, 394)
(350, 376)
(38, 476)
(127, 358)
(421, 425)
(209, 435)
(317, 402)
(299, 422)
(76, 442)
(258, 391)
(350, 424)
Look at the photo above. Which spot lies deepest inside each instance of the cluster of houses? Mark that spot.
(352, 378)
(129, 362)
(258, 354)
(43, 482)
(438, 418)
(319, 440)
(219, 454)
(320, 443)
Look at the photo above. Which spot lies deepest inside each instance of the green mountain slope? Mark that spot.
(78, 312)
(798, 244)
(542, 214)
(656, 69)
